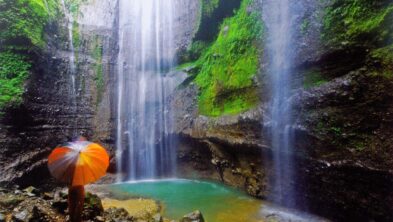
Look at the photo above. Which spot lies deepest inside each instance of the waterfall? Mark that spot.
(72, 65)
(146, 56)
(279, 23)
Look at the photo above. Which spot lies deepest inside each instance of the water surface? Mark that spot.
(217, 202)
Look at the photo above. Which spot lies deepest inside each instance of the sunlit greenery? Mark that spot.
(225, 71)
(365, 24)
(385, 57)
(22, 24)
(208, 6)
(364, 20)
(14, 70)
(22, 21)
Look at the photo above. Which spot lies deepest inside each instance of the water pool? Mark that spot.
(217, 202)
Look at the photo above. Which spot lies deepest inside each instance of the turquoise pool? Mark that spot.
(217, 202)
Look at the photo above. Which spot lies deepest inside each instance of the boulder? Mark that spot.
(30, 191)
(22, 216)
(92, 207)
(195, 216)
(157, 218)
(117, 214)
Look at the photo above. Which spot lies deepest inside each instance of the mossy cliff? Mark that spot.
(358, 35)
(38, 105)
(342, 109)
(226, 68)
(23, 24)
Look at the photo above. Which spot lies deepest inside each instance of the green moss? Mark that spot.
(212, 13)
(385, 58)
(14, 70)
(313, 78)
(226, 69)
(73, 6)
(99, 79)
(23, 21)
(305, 26)
(351, 21)
(76, 35)
(208, 6)
(22, 24)
(195, 50)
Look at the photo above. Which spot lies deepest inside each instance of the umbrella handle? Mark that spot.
(76, 199)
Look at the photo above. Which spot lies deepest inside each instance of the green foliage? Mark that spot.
(212, 13)
(196, 49)
(74, 5)
(226, 69)
(22, 24)
(22, 21)
(208, 6)
(75, 35)
(313, 78)
(364, 20)
(305, 26)
(385, 57)
(14, 70)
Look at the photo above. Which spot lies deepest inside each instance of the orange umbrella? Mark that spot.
(78, 163)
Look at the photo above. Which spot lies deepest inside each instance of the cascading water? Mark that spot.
(146, 55)
(278, 20)
(72, 66)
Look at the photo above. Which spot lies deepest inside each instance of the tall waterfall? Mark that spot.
(146, 55)
(72, 64)
(278, 20)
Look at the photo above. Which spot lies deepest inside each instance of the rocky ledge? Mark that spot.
(342, 131)
(31, 205)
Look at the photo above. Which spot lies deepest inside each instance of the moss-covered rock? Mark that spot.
(14, 69)
(22, 23)
(358, 21)
(225, 72)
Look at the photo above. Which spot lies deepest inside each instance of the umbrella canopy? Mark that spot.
(78, 163)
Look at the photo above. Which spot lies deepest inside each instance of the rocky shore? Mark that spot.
(33, 205)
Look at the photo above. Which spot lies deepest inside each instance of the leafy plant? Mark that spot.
(14, 70)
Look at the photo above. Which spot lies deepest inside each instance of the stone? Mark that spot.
(195, 216)
(117, 214)
(22, 216)
(157, 218)
(92, 207)
(99, 218)
(31, 190)
(47, 196)
(10, 200)
(60, 205)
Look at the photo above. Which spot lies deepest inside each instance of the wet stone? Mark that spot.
(47, 196)
(157, 218)
(31, 190)
(195, 216)
(22, 216)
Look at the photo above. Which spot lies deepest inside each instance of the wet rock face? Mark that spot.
(50, 114)
(343, 127)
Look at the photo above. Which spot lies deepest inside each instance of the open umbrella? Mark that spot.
(77, 164)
